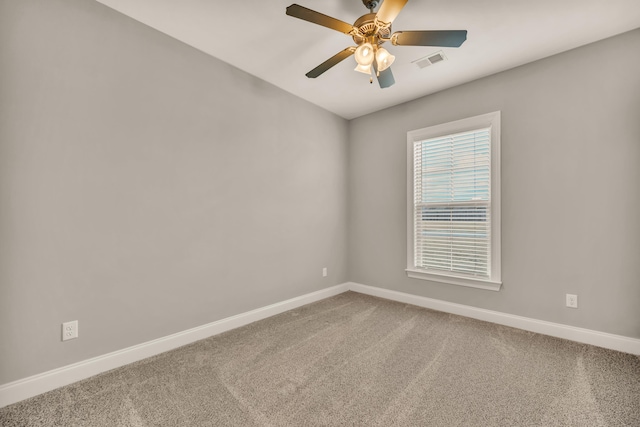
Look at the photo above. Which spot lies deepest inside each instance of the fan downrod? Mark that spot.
(370, 4)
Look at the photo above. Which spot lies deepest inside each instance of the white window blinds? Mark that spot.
(452, 203)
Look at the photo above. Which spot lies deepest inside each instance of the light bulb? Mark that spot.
(366, 69)
(364, 54)
(384, 59)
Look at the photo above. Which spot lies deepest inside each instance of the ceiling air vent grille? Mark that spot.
(430, 59)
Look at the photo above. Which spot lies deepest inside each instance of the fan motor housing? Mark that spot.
(367, 28)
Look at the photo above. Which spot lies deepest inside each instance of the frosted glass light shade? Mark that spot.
(366, 69)
(364, 54)
(384, 59)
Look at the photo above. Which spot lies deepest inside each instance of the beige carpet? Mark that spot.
(355, 360)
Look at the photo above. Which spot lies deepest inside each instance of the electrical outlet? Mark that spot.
(324, 272)
(69, 330)
(572, 301)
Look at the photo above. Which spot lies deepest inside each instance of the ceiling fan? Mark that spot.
(369, 32)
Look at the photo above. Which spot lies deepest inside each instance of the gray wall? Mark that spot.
(147, 188)
(570, 187)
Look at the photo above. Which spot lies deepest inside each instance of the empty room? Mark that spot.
(331, 213)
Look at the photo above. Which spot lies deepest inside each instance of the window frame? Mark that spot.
(491, 120)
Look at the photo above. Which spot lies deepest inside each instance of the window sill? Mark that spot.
(455, 280)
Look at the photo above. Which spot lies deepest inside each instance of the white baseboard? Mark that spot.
(32, 386)
(586, 336)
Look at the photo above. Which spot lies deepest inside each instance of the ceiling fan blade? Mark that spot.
(446, 38)
(309, 15)
(335, 59)
(385, 78)
(389, 10)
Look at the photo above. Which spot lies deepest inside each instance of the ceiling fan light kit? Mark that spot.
(369, 32)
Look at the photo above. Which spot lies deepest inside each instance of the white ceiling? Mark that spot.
(257, 37)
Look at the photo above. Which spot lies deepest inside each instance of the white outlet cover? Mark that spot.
(572, 301)
(69, 330)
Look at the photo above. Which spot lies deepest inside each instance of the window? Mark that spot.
(453, 206)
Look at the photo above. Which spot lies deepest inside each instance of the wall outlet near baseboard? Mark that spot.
(572, 301)
(324, 272)
(69, 330)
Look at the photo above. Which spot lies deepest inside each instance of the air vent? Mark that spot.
(430, 59)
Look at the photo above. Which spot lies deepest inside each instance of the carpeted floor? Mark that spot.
(356, 360)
